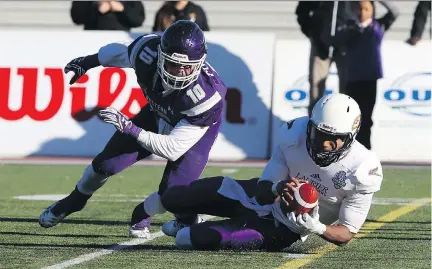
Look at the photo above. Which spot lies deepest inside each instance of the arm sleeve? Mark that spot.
(276, 169)
(122, 54)
(303, 12)
(172, 146)
(389, 18)
(420, 18)
(115, 55)
(355, 207)
(133, 14)
(354, 210)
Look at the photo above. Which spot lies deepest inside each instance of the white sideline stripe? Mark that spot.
(120, 246)
(94, 255)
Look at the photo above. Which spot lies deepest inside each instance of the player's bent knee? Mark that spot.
(183, 239)
(112, 166)
(153, 205)
(170, 198)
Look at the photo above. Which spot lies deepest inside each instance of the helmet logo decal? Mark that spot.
(326, 127)
(189, 42)
(179, 56)
(356, 123)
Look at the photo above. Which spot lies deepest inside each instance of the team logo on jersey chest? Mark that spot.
(339, 179)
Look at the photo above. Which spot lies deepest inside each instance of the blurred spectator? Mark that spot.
(108, 15)
(187, 10)
(315, 19)
(362, 38)
(419, 22)
(164, 17)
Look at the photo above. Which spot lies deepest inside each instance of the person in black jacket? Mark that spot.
(419, 22)
(108, 15)
(187, 10)
(315, 19)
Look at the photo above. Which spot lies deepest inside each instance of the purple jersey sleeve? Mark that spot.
(204, 102)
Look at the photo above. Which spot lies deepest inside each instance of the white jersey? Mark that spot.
(345, 187)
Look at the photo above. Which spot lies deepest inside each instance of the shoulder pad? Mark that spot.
(199, 99)
(369, 174)
(144, 49)
(291, 132)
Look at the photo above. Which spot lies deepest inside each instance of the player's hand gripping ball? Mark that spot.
(305, 198)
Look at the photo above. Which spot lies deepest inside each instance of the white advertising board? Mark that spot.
(402, 127)
(42, 115)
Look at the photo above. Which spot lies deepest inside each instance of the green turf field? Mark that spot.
(397, 234)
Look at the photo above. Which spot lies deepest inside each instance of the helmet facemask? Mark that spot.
(314, 143)
(174, 82)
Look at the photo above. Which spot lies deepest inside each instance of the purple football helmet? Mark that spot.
(183, 48)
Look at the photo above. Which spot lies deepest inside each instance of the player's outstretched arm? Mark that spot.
(339, 235)
(273, 179)
(352, 215)
(111, 55)
(171, 147)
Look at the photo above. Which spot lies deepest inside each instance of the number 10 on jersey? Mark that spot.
(196, 93)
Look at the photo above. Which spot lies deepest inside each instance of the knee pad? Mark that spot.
(183, 239)
(91, 181)
(246, 240)
(153, 205)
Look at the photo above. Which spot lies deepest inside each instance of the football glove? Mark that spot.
(310, 222)
(121, 122)
(76, 66)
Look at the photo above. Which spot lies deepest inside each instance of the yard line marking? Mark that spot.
(126, 198)
(120, 246)
(369, 227)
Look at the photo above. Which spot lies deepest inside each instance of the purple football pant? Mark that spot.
(244, 230)
(123, 151)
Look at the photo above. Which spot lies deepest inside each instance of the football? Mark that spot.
(305, 199)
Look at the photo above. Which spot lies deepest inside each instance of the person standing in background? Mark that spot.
(187, 10)
(316, 22)
(164, 17)
(419, 22)
(362, 39)
(108, 15)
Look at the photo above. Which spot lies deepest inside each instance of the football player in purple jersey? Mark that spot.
(180, 122)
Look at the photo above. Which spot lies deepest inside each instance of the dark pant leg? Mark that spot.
(364, 93)
(242, 233)
(318, 72)
(190, 166)
(340, 61)
(187, 169)
(202, 197)
(122, 150)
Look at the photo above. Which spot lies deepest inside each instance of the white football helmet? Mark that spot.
(334, 116)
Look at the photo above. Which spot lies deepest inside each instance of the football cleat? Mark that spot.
(47, 219)
(141, 229)
(171, 228)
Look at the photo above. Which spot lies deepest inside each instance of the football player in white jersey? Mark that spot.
(322, 150)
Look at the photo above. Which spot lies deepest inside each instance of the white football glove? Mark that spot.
(310, 222)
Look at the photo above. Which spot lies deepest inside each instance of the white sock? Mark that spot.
(153, 205)
(91, 181)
